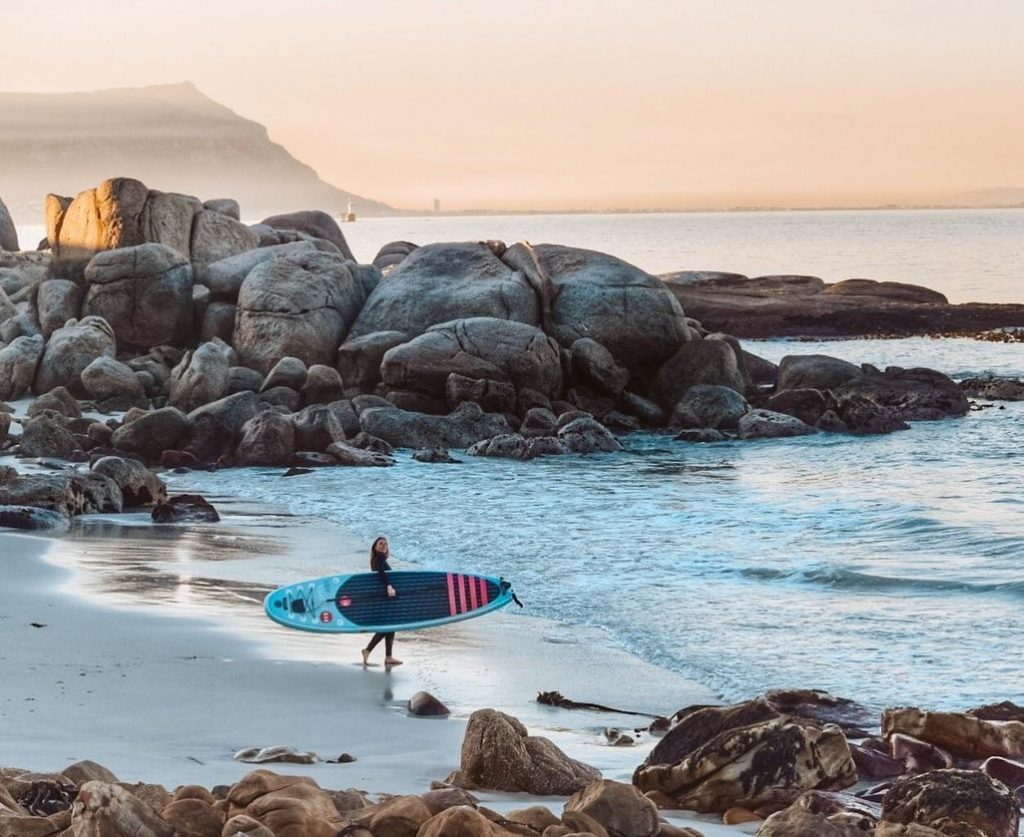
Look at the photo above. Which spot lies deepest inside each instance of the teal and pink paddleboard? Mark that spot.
(359, 603)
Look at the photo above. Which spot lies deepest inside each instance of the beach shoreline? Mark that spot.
(166, 694)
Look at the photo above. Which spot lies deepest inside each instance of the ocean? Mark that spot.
(888, 569)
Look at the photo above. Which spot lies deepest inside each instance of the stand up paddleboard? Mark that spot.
(359, 603)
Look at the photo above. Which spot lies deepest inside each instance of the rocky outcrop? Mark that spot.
(482, 347)
(961, 734)
(300, 306)
(267, 439)
(144, 292)
(461, 428)
(586, 435)
(70, 350)
(108, 809)
(966, 803)
(443, 282)
(746, 755)
(498, 754)
(993, 388)
(167, 219)
(780, 306)
(104, 218)
(185, 508)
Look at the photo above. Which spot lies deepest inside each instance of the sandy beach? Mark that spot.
(161, 672)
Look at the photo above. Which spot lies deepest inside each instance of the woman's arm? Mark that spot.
(381, 567)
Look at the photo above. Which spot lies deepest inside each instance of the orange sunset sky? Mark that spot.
(597, 104)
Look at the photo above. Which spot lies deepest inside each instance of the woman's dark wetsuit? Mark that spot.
(379, 564)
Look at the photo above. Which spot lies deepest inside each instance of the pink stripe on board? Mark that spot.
(483, 592)
(462, 594)
(451, 595)
(472, 593)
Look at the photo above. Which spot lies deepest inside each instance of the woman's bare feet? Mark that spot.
(366, 657)
(391, 662)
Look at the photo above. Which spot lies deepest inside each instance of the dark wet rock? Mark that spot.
(594, 365)
(299, 306)
(283, 397)
(765, 424)
(214, 428)
(913, 394)
(703, 434)
(710, 362)
(144, 293)
(443, 282)
(966, 803)
(461, 428)
(46, 436)
(644, 409)
(620, 423)
(359, 358)
(346, 454)
(434, 455)
(317, 426)
(820, 372)
(393, 254)
(994, 389)
(862, 415)
(417, 402)
(152, 433)
(68, 493)
(139, 486)
(315, 223)
(267, 439)
(32, 519)
(480, 347)
(202, 375)
(18, 364)
(587, 435)
(821, 706)
(538, 421)
(704, 405)
(498, 754)
(747, 755)
(424, 704)
(503, 446)
(364, 441)
(873, 764)
(762, 372)
(1004, 711)
(304, 460)
(492, 396)
(242, 379)
(178, 460)
(808, 405)
(962, 735)
(185, 508)
(69, 351)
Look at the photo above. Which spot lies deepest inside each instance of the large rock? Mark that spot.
(318, 426)
(442, 282)
(764, 424)
(104, 218)
(498, 754)
(217, 236)
(492, 396)
(202, 375)
(45, 435)
(464, 426)
(704, 405)
(913, 394)
(808, 405)
(139, 486)
(31, 519)
(961, 734)
(595, 295)
(58, 301)
(108, 810)
(144, 292)
(267, 439)
(814, 372)
(113, 385)
(167, 219)
(965, 803)
(70, 350)
(481, 347)
(594, 365)
(586, 434)
(68, 493)
(393, 254)
(152, 433)
(359, 358)
(8, 232)
(323, 385)
(301, 306)
(797, 821)
(315, 223)
(711, 362)
(54, 209)
(620, 808)
(289, 806)
(746, 755)
(224, 278)
(215, 427)
(18, 364)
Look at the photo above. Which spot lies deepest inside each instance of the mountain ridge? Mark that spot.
(173, 137)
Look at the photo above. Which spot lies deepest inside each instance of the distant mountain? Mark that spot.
(998, 196)
(171, 137)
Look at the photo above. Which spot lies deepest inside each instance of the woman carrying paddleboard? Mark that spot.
(379, 555)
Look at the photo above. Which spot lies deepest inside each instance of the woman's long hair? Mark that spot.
(374, 552)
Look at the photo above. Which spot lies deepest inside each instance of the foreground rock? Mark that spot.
(70, 350)
(963, 735)
(781, 306)
(498, 754)
(461, 428)
(966, 803)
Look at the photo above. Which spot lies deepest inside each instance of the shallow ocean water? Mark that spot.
(889, 569)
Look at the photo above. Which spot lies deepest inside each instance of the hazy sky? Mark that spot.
(582, 103)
